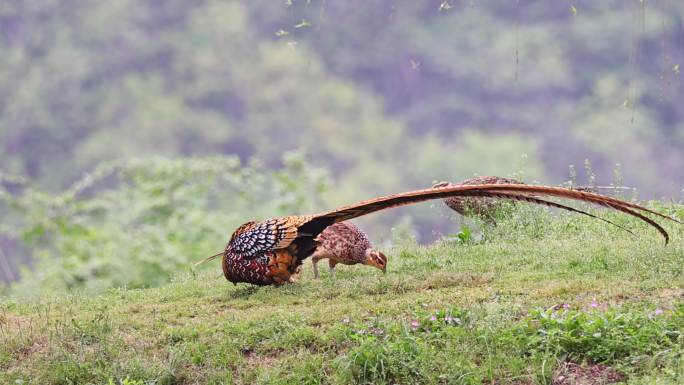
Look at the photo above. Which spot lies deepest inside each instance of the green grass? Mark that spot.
(534, 292)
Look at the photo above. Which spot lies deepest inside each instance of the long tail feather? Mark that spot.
(542, 202)
(386, 202)
(590, 197)
(644, 218)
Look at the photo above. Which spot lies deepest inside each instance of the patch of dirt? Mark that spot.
(259, 360)
(25, 338)
(14, 321)
(671, 293)
(590, 374)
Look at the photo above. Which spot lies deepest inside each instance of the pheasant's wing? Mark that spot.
(255, 238)
(318, 222)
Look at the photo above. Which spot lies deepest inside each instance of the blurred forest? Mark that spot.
(134, 135)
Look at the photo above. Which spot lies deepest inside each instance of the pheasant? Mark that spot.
(345, 243)
(270, 251)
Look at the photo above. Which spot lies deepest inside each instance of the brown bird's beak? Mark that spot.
(377, 260)
(382, 261)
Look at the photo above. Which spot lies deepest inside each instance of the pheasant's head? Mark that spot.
(376, 259)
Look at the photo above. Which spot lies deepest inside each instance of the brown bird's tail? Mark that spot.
(502, 191)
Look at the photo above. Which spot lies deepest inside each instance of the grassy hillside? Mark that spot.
(538, 300)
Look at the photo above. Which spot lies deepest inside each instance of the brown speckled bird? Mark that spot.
(270, 251)
(483, 208)
(347, 244)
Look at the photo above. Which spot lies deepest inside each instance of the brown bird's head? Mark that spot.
(376, 259)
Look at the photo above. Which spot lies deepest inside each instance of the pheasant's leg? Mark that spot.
(280, 266)
(294, 278)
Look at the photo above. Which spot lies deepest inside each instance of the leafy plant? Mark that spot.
(602, 337)
(136, 223)
(465, 236)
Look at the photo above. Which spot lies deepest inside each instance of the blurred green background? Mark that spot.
(135, 135)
